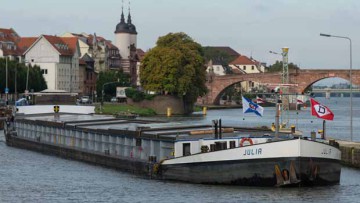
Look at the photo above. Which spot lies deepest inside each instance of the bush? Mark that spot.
(137, 95)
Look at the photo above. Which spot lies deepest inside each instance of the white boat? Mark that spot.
(261, 162)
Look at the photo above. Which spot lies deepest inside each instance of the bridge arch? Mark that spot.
(307, 78)
(218, 84)
(303, 78)
(223, 91)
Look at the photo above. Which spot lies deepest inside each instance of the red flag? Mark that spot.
(259, 100)
(321, 111)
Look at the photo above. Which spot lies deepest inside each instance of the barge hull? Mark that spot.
(309, 172)
(131, 165)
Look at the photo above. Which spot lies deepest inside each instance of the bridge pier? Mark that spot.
(327, 94)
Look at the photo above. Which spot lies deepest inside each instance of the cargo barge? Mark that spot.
(210, 154)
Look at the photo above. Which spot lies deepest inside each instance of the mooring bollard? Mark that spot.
(292, 129)
(204, 110)
(168, 111)
(313, 135)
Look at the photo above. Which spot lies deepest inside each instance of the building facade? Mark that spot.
(87, 76)
(247, 65)
(58, 58)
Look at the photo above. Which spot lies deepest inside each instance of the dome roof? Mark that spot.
(122, 27)
(132, 27)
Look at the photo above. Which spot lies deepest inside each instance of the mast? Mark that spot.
(285, 80)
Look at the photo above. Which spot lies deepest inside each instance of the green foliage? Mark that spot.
(36, 79)
(125, 109)
(117, 77)
(175, 66)
(278, 67)
(137, 95)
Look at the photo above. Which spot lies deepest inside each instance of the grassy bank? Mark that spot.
(123, 109)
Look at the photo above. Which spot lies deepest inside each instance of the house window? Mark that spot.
(244, 67)
(252, 67)
(44, 71)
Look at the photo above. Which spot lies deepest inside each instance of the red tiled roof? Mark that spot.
(140, 53)
(71, 42)
(25, 43)
(107, 43)
(8, 35)
(59, 42)
(11, 52)
(243, 60)
(110, 45)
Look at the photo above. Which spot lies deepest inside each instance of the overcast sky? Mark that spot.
(251, 27)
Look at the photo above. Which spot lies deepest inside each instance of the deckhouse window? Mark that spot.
(186, 149)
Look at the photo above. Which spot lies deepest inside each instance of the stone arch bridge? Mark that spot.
(303, 78)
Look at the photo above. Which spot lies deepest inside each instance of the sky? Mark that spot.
(251, 27)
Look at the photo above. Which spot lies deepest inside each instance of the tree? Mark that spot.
(278, 67)
(175, 66)
(119, 79)
(36, 79)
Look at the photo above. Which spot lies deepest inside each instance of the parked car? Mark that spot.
(21, 102)
(114, 99)
(85, 100)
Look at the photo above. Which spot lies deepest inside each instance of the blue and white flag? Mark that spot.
(251, 107)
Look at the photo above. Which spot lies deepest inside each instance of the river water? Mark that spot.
(27, 176)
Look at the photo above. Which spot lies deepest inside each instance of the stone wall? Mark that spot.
(350, 156)
(160, 104)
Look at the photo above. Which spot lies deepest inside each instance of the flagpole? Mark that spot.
(277, 115)
(297, 112)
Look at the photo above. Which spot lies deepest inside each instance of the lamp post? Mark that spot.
(7, 87)
(15, 84)
(27, 79)
(350, 75)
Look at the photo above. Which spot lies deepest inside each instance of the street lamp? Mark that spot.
(7, 87)
(350, 74)
(27, 78)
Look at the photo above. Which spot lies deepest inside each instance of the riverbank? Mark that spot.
(125, 110)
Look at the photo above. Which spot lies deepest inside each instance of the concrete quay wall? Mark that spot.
(350, 153)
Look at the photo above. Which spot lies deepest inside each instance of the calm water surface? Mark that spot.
(26, 176)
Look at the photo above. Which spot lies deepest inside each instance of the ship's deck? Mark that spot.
(138, 127)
